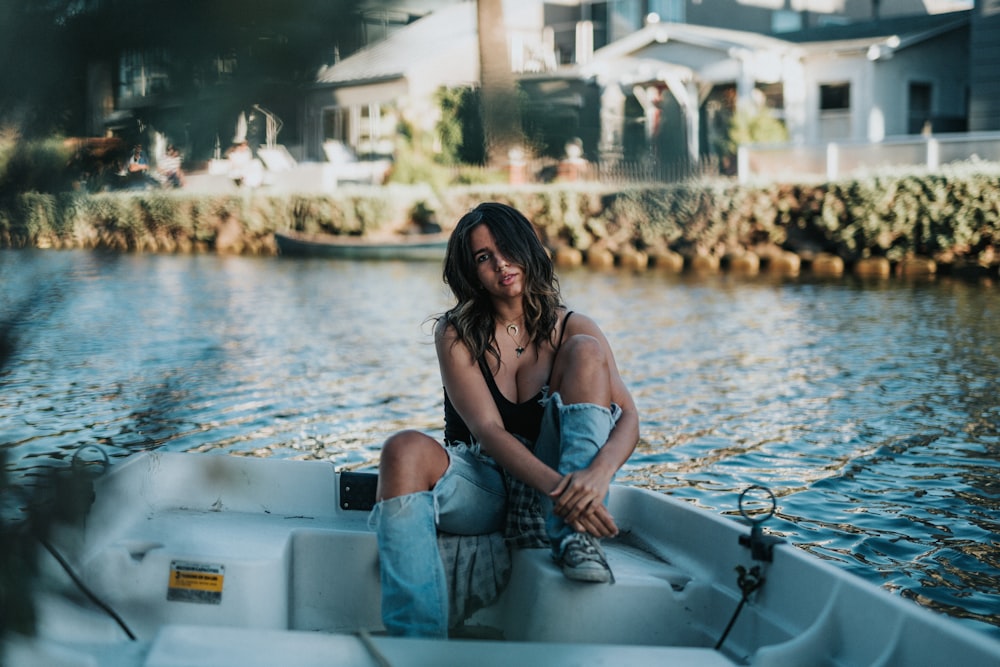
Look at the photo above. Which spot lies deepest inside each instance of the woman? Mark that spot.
(532, 395)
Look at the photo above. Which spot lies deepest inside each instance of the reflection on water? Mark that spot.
(871, 409)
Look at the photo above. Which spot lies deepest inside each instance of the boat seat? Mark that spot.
(240, 569)
(220, 541)
(647, 604)
(277, 545)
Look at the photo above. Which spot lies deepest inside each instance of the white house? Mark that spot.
(687, 66)
(662, 86)
(864, 82)
(360, 99)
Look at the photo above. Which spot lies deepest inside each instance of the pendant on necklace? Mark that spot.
(512, 331)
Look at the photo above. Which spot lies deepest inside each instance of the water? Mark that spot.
(871, 409)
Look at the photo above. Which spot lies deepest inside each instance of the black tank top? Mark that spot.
(523, 419)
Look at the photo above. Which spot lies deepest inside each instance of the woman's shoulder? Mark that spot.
(446, 332)
(576, 322)
(444, 328)
(451, 348)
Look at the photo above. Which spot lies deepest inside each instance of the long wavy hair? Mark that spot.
(472, 315)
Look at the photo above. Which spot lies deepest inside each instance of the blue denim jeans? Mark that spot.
(469, 499)
(570, 437)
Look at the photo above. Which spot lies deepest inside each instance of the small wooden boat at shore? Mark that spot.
(414, 247)
(216, 560)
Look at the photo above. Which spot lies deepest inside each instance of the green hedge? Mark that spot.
(159, 221)
(950, 214)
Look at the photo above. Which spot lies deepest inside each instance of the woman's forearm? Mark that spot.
(620, 445)
(511, 455)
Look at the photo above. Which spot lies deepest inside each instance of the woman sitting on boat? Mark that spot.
(537, 423)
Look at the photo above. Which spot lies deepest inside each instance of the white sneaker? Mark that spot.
(583, 559)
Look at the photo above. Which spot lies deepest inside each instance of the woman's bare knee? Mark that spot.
(410, 462)
(581, 373)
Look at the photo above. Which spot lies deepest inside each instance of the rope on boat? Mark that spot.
(366, 640)
(86, 591)
(83, 470)
(749, 581)
(761, 548)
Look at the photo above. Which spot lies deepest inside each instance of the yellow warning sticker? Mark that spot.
(195, 582)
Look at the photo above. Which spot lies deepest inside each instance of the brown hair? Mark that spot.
(472, 315)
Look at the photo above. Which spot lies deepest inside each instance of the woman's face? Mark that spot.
(501, 278)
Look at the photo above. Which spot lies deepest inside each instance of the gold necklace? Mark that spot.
(513, 330)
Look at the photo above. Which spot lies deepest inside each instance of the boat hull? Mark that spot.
(410, 248)
(287, 563)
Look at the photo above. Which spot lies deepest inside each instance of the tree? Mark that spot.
(500, 109)
(40, 91)
(214, 59)
(460, 128)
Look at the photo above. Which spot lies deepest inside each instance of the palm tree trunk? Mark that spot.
(500, 109)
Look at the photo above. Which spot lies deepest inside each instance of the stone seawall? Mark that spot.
(906, 225)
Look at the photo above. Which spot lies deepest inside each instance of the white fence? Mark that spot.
(835, 160)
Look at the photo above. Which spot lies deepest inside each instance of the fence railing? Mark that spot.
(617, 172)
(650, 171)
(837, 159)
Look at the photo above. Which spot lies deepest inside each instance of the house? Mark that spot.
(361, 99)
(664, 91)
(633, 79)
(612, 21)
(672, 80)
(879, 93)
(200, 74)
(617, 100)
(984, 45)
(358, 100)
(853, 81)
(866, 81)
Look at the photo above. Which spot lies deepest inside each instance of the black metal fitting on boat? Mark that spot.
(357, 490)
(749, 581)
(756, 511)
(761, 546)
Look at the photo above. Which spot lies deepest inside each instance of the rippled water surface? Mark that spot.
(871, 409)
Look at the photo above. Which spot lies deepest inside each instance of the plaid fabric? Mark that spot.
(477, 568)
(525, 527)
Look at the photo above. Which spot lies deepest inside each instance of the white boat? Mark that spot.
(215, 560)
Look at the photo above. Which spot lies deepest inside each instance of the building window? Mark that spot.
(920, 107)
(835, 97)
(772, 95)
(783, 20)
(142, 74)
(336, 125)
(380, 24)
(369, 129)
(225, 66)
(627, 16)
(667, 10)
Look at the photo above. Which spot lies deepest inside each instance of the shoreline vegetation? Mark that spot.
(886, 223)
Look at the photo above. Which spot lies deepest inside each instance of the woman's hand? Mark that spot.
(579, 500)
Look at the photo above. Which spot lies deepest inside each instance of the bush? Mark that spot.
(33, 166)
(952, 213)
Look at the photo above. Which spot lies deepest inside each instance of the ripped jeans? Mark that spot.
(469, 499)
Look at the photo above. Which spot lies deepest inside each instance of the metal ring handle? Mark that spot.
(79, 464)
(762, 517)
